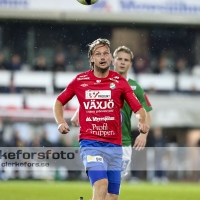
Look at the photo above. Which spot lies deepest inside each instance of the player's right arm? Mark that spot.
(58, 114)
(148, 119)
(63, 98)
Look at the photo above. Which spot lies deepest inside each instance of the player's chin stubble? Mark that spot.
(102, 70)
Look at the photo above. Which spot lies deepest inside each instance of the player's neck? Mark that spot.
(101, 73)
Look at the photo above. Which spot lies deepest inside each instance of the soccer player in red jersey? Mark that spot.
(101, 94)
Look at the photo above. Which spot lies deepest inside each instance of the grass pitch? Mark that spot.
(41, 190)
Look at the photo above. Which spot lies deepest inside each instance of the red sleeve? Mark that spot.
(67, 94)
(131, 98)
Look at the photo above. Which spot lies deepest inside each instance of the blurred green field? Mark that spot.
(41, 190)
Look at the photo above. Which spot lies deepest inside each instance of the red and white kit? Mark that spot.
(101, 100)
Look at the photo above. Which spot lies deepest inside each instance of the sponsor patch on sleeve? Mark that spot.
(133, 87)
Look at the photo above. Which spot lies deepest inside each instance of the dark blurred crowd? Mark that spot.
(62, 61)
(24, 134)
(77, 61)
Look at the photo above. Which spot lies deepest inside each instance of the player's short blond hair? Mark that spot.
(103, 42)
(123, 49)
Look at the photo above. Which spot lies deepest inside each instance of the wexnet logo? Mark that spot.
(98, 94)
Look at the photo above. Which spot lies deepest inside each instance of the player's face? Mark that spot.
(101, 57)
(122, 62)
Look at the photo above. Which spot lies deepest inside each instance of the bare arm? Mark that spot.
(140, 141)
(58, 114)
(148, 119)
(74, 119)
(142, 121)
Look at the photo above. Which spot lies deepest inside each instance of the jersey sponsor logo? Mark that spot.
(113, 79)
(88, 119)
(116, 77)
(112, 86)
(98, 94)
(106, 118)
(98, 81)
(101, 130)
(93, 104)
(94, 158)
(83, 75)
(84, 85)
(98, 119)
(125, 164)
(133, 87)
(83, 78)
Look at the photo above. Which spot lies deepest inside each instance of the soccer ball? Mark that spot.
(87, 2)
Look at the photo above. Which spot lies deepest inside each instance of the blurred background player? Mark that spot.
(103, 166)
(122, 62)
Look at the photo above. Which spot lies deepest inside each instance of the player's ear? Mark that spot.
(113, 61)
(131, 64)
(91, 59)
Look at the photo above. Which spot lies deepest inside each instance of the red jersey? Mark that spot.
(101, 100)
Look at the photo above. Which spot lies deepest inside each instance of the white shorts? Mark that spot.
(126, 159)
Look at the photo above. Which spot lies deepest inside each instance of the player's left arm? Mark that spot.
(136, 107)
(75, 118)
(140, 141)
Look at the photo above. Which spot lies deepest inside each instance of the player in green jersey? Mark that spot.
(122, 62)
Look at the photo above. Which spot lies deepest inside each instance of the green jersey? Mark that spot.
(126, 111)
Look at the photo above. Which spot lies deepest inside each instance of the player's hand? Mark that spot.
(143, 128)
(63, 128)
(140, 142)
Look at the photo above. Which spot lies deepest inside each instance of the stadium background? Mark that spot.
(43, 46)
